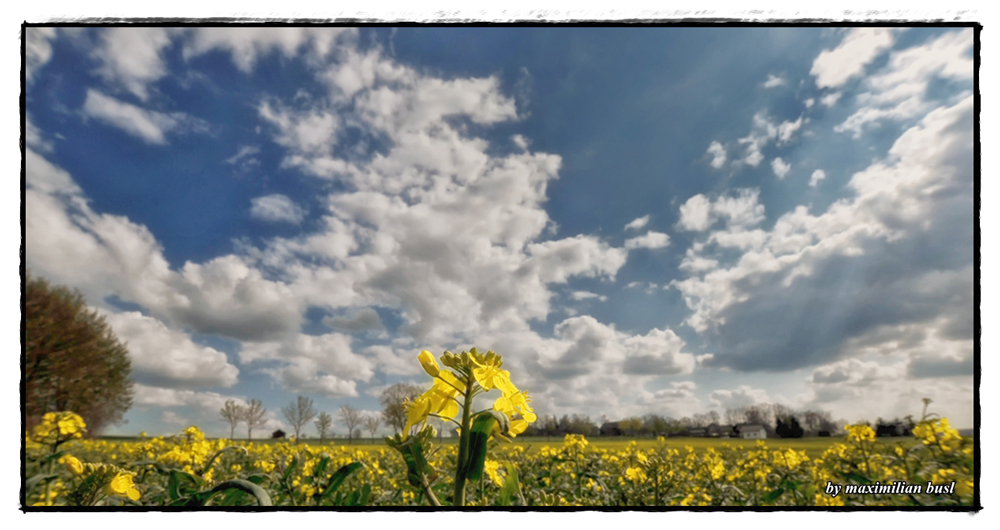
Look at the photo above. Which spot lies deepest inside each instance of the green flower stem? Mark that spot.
(428, 491)
(463, 445)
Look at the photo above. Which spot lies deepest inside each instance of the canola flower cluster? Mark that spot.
(577, 472)
(483, 373)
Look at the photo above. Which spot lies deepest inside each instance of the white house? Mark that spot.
(751, 431)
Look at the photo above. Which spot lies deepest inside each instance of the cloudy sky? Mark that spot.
(660, 219)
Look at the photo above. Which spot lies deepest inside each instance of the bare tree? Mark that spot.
(232, 413)
(299, 413)
(253, 414)
(372, 423)
(323, 425)
(352, 418)
(392, 399)
(735, 416)
(759, 414)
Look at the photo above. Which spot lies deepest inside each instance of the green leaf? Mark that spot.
(33, 481)
(857, 477)
(479, 435)
(182, 483)
(263, 499)
(511, 486)
(339, 477)
(772, 495)
(417, 467)
(321, 466)
(200, 498)
(290, 467)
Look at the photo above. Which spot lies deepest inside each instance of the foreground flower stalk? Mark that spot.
(472, 373)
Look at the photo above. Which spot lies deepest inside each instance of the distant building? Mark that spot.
(719, 431)
(611, 428)
(749, 431)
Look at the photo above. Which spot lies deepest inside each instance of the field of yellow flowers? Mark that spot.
(187, 470)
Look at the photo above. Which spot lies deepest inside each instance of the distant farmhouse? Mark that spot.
(749, 431)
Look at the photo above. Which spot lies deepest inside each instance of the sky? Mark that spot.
(639, 220)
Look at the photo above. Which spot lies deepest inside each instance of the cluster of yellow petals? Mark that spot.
(59, 426)
(442, 398)
(938, 432)
(859, 433)
(123, 486)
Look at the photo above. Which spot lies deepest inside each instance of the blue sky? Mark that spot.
(669, 220)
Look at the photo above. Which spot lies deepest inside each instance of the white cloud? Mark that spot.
(696, 213)
(774, 81)
(584, 295)
(830, 100)
(637, 223)
(131, 57)
(277, 208)
(149, 125)
(912, 245)
(809, 103)
(165, 357)
(718, 153)
(323, 364)
(764, 131)
(780, 168)
(244, 159)
(37, 50)
(899, 90)
(816, 176)
(650, 240)
(150, 396)
(520, 141)
(741, 396)
(787, 129)
(740, 209)
(248, 44)
(833, 68)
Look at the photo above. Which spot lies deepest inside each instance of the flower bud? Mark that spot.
(426, 359)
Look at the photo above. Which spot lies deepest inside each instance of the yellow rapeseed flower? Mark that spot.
(430, 365)
(73, 464)
(122, 485)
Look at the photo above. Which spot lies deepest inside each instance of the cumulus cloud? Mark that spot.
(741, 396)
(650, 240)
(816, 177)
(830, 100)
(882, 268)
(247, 44)
(773, 81)
(833, 68)
(323, 364)
(637, 223)
(718, 152)
(780, 167)
(276, 208)
(899, 90)
(132, 57)
(740, 209)
(584, 295)
(149, 125)
(165, 357)
(37, 50)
